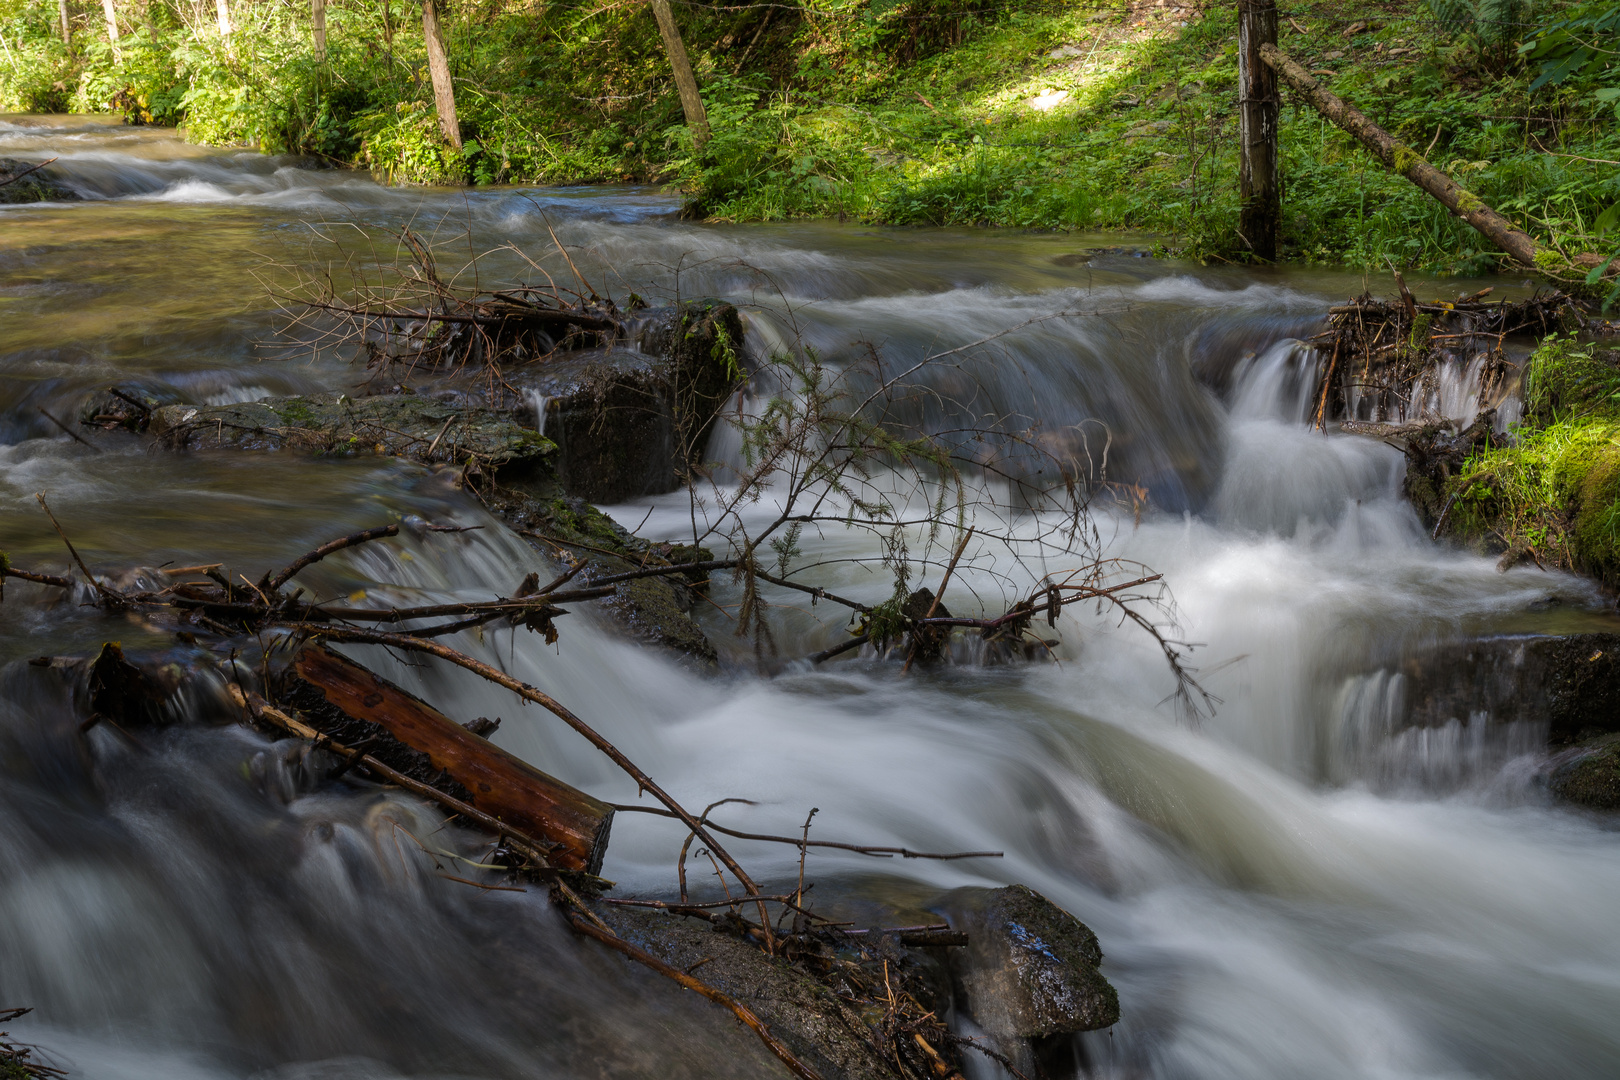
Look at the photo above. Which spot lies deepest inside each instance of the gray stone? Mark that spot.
(1030, 969)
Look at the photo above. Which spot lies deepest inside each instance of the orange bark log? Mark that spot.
(501, 785)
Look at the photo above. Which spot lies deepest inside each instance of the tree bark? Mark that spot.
(317, 14)
(444, 93)
(1406, 161)
(1257, 129)
(691, 103)
(111, 12)
(223, 9)
(503, 786)
(67, 32)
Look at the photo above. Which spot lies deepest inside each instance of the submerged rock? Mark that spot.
(37, 186)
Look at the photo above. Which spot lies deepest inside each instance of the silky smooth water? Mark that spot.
(1290, 888)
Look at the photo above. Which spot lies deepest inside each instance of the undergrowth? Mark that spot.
(1555, 492)
(1099, 115)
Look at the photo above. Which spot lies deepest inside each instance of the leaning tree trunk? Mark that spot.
(1406, 161)
(691, 104)
(317, 14)
(1257, 129)
(444, 93)
(223, 9)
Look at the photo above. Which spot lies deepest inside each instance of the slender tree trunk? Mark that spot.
(1406, 161)
(691, 104)
(224, 10)
(67, 32)
(1257, 129)
(109, 9)
(317, 13)
(444, 93)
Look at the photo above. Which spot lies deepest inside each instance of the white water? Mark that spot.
(1295, 888)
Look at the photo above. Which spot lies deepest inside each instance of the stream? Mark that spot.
(1288, 889)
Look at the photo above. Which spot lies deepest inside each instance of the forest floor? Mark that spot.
(1090, 116)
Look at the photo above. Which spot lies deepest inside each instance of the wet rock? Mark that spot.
(1589, 775)
(38, 186)
(821, 1029)
(1570, 684)
(628, 422)
(1030, 969)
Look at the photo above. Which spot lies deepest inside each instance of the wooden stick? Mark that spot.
(905, 853)
(327, 549)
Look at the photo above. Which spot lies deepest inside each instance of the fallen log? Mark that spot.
(501, 785)
(1410, 164)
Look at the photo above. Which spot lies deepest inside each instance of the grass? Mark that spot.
(945, 112)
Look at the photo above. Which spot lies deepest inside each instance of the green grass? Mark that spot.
(942, 112)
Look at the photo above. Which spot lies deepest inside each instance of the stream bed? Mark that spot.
(1290, 888)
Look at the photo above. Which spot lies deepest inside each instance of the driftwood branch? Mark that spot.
(327, 549)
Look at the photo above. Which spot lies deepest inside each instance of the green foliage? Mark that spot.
(1556, 489)
(929, 112)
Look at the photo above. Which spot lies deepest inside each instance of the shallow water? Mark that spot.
(1284, 890)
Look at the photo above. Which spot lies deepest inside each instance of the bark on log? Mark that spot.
(1406, 161)
(1257, 129)
(502, 786)
(691, 103)
(444, 93)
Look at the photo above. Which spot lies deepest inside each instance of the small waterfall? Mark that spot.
(539, 401)
(1373, 741)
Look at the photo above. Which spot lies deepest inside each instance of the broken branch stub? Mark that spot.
(500, 784)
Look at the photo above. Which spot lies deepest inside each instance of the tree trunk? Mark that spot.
(223, 8)
(444, 93)
(1406, 161)
(111, 11)
(691, 104)
(1257, 129)
(503, 786)
(317, 14)
(67, 32)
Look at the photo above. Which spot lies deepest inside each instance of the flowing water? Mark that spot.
(1294, 888)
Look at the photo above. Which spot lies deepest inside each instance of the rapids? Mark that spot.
(1290, 889)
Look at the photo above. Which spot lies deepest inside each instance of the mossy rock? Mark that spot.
(34, 187)
(412, 426)
(1592, 777)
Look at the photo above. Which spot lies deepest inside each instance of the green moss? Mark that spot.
(1468, 202)
(1404, 158)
